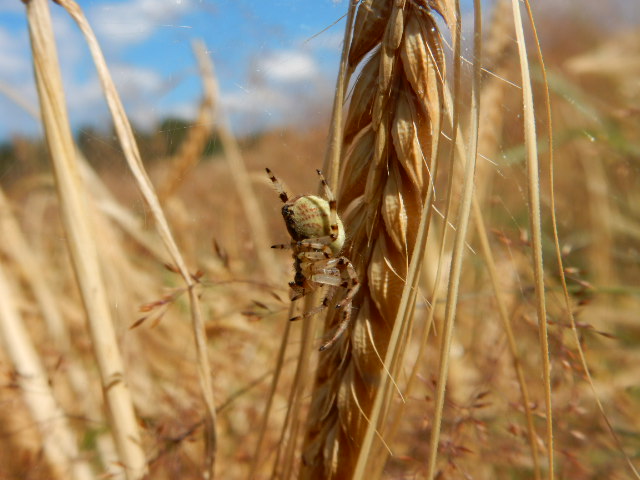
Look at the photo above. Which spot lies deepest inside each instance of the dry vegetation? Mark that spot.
(223, 215)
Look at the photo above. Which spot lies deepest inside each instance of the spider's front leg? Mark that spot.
(342, 326)
(352, 285)
(313, 311)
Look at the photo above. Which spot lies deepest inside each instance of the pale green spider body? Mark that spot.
(309, 217)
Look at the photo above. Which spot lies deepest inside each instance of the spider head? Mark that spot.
(308, 217)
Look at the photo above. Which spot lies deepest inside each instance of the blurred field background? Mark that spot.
(592, 54)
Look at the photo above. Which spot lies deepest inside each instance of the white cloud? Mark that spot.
(187, 110)
(288, 66)
(136, 86)
(136, 20)
(83, 97)
(71, 44)
(136, 82)
(255, 107)
(252, 109)
(15, 59)
(254, 99)
(144, 117)
(281, 88)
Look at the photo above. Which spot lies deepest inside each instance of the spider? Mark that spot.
(317, 239)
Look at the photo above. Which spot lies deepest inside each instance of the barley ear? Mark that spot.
(390, 127)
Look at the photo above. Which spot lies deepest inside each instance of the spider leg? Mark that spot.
(352, 284)
(318, 243)
(312, 251)
(313, 255)
(327, 278)
(313, 311)
(323, 270)
(282, 246)
(278, 186)
(333, 210)
(344, 323)
(299, 291)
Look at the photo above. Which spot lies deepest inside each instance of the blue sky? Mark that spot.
(266, 57)
(270, 58)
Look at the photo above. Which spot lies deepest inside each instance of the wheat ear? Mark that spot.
(389, 131)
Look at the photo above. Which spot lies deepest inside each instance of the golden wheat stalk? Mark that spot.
(80, 240)
(535, 225)
(389, 131)
(498, 54)
(134, 160)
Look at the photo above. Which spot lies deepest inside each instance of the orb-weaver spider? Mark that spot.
(317, 239)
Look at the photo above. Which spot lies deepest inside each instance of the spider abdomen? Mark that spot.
(308, 217)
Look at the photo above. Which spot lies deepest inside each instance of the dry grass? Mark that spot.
(437, 308)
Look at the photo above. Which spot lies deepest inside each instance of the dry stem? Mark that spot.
(80, 239)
